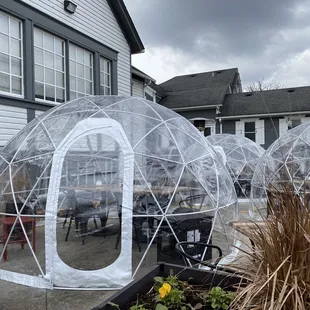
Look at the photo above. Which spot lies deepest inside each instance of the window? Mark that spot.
(249, 130)
(105, 76)
(207, 127)
(207, 131)
(292, 123)
(49, 59)
(148, 97)
(200, 124)
(81, 72)
(11, 55)
(253, 129)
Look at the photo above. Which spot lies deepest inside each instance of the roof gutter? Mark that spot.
(263, 115)
(200, 107)
(131, 34)
(142, 75)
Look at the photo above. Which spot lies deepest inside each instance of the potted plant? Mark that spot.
(168, 286)
(278, 270)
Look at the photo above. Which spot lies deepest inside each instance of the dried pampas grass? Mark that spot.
(279, 268)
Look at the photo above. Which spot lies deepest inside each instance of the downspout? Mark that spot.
(221, 126)
(145, 86)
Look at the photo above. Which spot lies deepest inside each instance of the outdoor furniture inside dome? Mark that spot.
(103, 177)
(242, 155)
(284, 166)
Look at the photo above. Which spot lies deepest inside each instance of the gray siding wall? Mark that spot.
(229, 126)
(95, 19)
(137, 88)
(271, 131)
(12, 120)
(210, 114)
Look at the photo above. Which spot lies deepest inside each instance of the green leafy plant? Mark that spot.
(170, 293)
(219, 299)
(138, 307)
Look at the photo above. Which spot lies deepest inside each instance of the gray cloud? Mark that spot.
(256, 36)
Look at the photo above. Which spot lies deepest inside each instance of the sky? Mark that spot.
(265, 39)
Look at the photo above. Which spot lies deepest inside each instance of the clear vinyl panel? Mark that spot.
(180, 191)
(90, 203)
(285, 165)
(21, 219)
(241, 157)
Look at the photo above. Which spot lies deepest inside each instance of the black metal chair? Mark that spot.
(193, 253)
(139, 222)
(184, 221)
(179, 247)
(194, 201)
(82, 213)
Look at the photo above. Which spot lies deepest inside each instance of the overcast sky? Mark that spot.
(265, 39)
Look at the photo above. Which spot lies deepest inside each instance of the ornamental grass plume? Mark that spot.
(279, 268)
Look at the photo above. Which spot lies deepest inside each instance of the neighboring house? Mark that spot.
(265, 115)
(140, 85)
(200, 96)
(49, 55)
(214, 102)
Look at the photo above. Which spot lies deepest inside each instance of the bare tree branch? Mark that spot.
(260, 85)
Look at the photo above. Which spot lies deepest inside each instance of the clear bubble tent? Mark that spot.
(242, 155)
(285, 163)
(98, 188)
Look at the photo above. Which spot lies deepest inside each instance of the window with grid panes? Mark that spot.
(81, 72)
(105, 76)
(11, 55)
(49, 59)
(250, 130)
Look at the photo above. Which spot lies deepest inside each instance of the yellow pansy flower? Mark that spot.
(164, 290)
(167, 287)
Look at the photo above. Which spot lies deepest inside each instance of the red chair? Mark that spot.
(8, 222)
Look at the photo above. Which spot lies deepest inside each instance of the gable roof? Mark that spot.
(158, 89)
(198, 90)
(141, 74)
(283, 101)
(126, 24)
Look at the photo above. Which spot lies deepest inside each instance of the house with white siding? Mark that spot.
(52, 51)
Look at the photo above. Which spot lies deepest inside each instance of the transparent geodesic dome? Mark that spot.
(242, 155)
(285, 163)
(102, 187)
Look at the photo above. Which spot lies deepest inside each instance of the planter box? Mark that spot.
(143, 284)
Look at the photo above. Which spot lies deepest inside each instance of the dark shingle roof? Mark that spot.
(195, 97)
(159, 90)
(285, 100)
(200, 89)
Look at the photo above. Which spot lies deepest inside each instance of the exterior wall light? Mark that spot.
(69, 6)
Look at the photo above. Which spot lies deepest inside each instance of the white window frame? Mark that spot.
(284, 122)
(21, 39)
(54, 69)
(76, 77)
(209, 123)
(148, 90)
(259, 129)
(104, 73)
